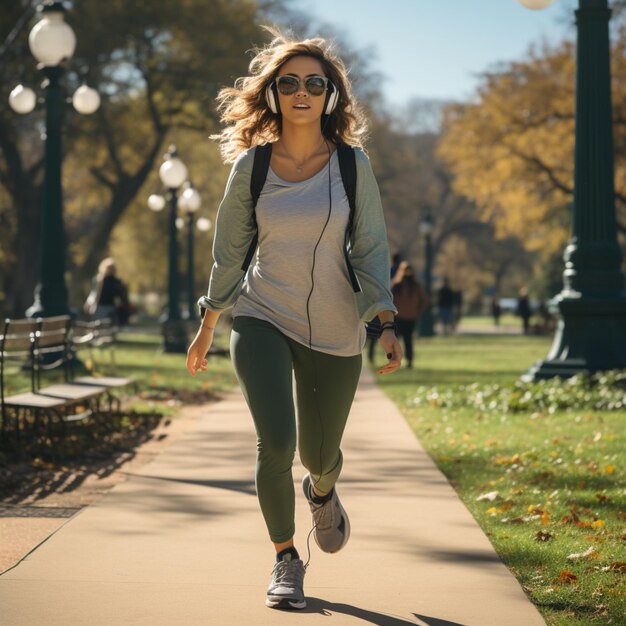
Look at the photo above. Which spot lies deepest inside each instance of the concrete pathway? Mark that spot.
(183, 541)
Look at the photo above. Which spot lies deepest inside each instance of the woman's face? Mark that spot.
(301, 107)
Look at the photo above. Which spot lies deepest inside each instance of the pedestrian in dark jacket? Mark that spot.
(523, 310)
(409, 297)
(445, 307)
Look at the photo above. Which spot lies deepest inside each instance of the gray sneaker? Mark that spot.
(332, 526)
(286, 587)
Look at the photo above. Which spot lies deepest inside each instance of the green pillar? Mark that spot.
(173, 306)
(191, 300)
(591, 335)
(51, 296)
(174, 329)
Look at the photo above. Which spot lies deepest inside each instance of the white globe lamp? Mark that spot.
(86, 100)
(156, 202)
(190, 200)
(204, 224)
(173, 172)
(22, 99)
(52, 40)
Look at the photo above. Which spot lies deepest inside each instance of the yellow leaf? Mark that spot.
(609, 469)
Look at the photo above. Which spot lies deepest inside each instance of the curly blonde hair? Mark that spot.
(250, 121)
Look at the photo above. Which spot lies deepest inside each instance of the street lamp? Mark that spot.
(189, 204)
(173, 173)
(427, 322)
(591, 335)
(52, 43)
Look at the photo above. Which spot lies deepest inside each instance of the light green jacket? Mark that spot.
(235, 228)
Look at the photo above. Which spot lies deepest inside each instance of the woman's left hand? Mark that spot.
(393, 351)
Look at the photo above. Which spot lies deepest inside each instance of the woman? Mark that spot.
(108, 297)
(296, 309)
(410, 300)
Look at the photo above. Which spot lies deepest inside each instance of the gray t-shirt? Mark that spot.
(291, 217)
(292, 269)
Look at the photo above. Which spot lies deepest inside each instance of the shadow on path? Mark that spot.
(325, 608)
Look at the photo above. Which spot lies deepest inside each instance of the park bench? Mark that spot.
(97, 336)
(49, 344)
(17, 343)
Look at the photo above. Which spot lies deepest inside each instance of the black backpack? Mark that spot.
(347, 167)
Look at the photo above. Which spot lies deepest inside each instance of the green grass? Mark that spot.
(138, 354)
(559, 476)
(162, 376)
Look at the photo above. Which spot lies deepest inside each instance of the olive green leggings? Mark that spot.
(325, 386)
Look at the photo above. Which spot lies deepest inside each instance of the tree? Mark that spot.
(511, 150)
(156, 75)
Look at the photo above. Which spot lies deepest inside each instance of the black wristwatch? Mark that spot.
(388, 325)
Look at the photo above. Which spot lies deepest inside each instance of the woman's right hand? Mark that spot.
(196, 355)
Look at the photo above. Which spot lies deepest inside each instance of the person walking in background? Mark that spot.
(523, 310)
(496, 310)
(410, 299)
(445, 307)
(457, 308)
(109, 295)
(295, 310)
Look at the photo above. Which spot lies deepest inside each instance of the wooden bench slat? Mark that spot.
(33, 400)
(104, 381)
(67, 391)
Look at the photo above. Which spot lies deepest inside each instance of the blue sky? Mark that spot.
(437, 48)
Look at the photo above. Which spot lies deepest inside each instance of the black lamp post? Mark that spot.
(427, 322)
(52, 43)
(591, 335)
(189, 203)
(173, 174)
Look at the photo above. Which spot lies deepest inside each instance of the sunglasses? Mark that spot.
(315, 85)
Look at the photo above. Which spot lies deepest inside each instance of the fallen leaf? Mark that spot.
(610, 469)
(618, 566)
(568, 577)
(503, 508)
(543, 535)
(491, 496)
(589, 553)
(535, 510)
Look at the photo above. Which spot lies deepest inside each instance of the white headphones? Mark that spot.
(332, 98)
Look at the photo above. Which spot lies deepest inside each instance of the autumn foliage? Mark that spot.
(512, 150)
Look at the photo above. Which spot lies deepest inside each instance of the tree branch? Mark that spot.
(107, 182)
(110, 143)
(544, 168)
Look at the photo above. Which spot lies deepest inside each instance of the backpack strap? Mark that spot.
(260, 167)
(347, 167)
